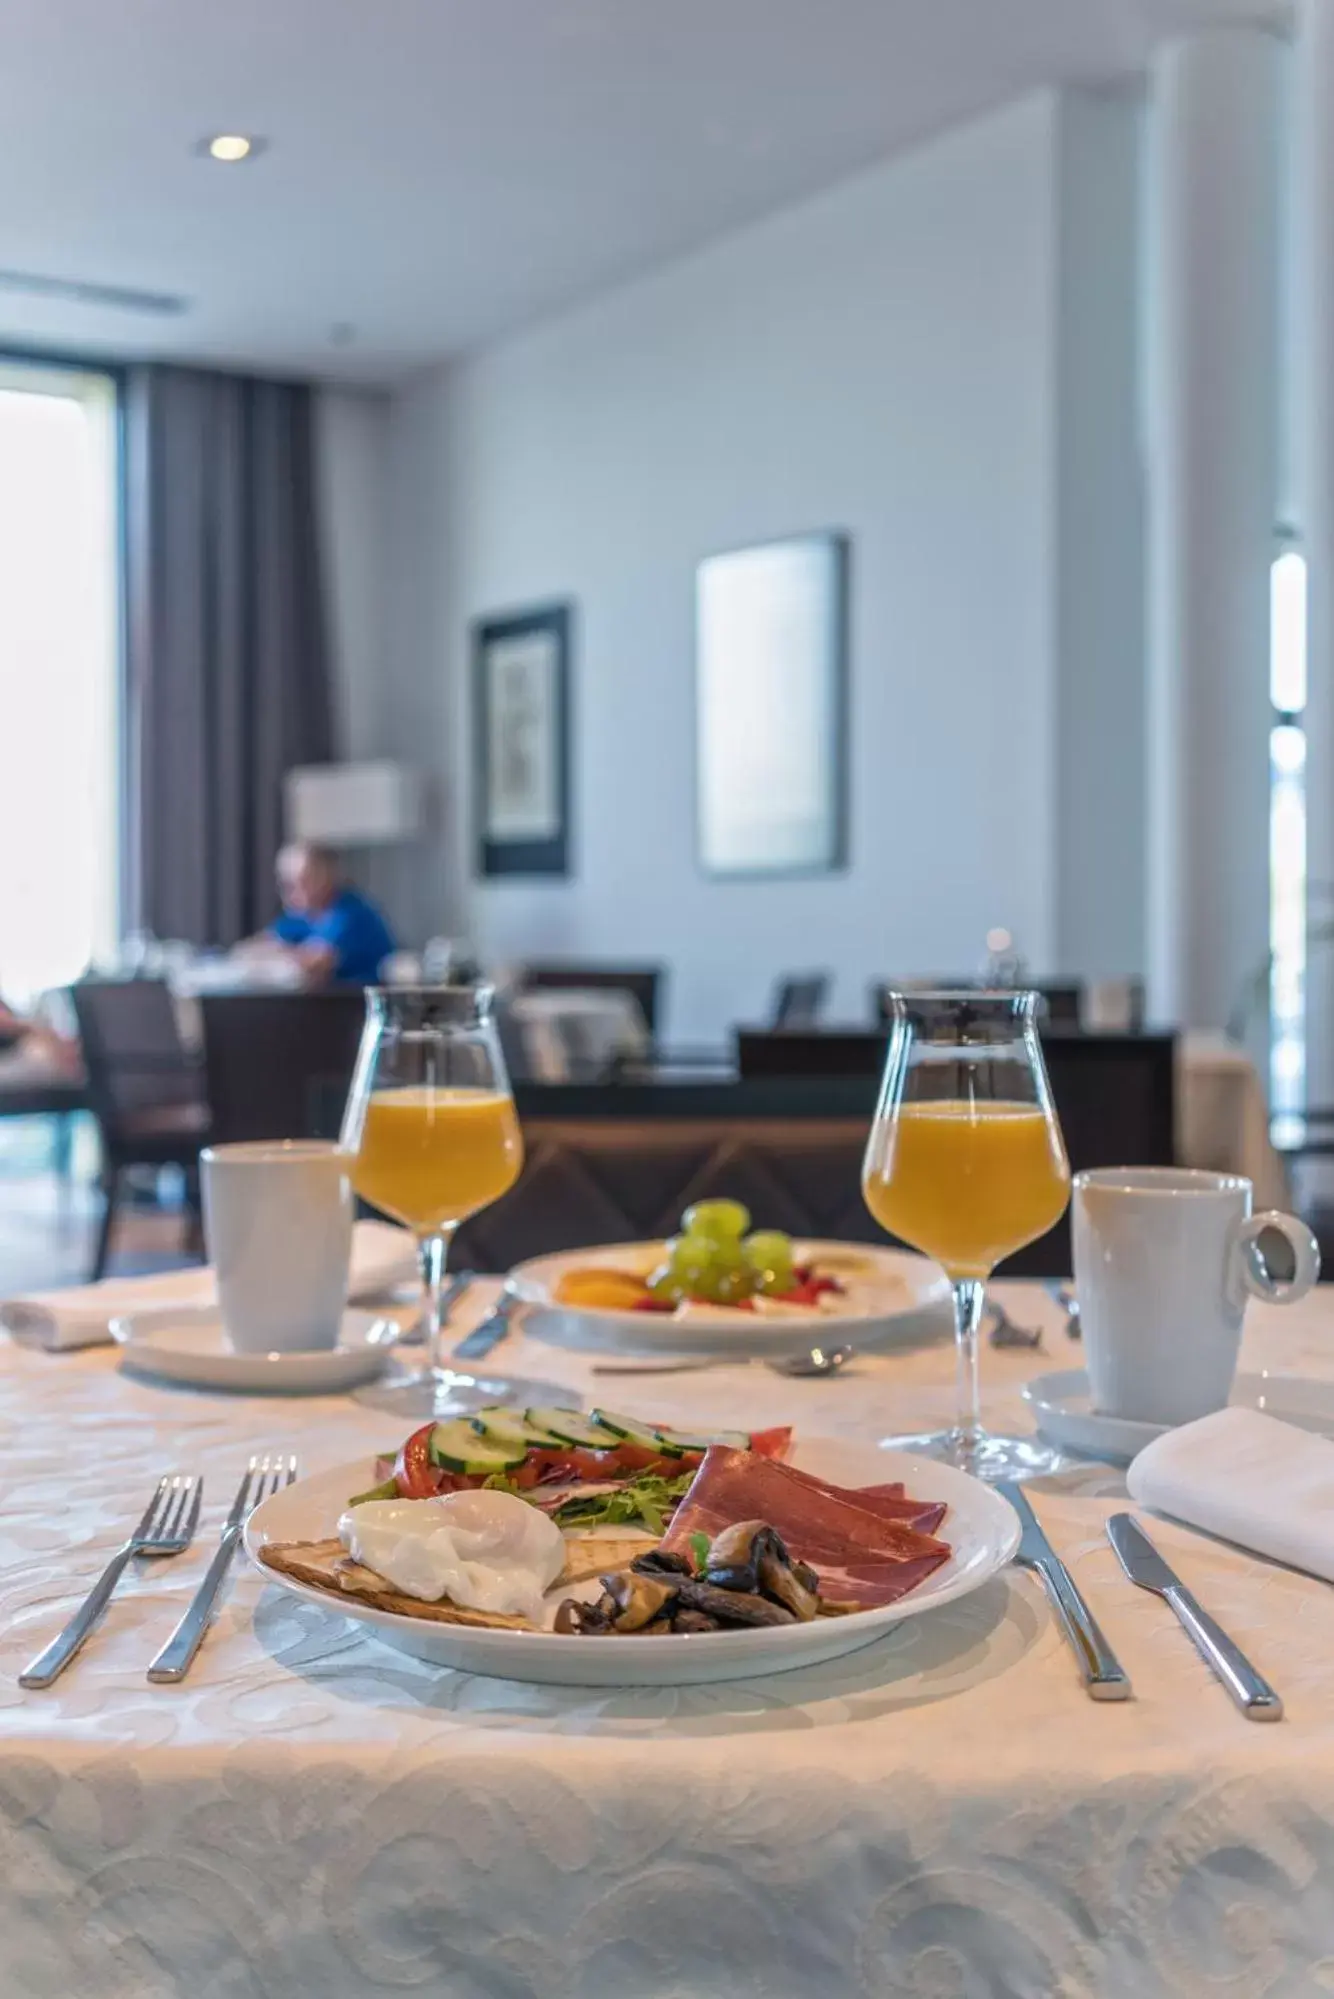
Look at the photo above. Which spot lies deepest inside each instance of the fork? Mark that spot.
(263, 1477)
(167, 1528)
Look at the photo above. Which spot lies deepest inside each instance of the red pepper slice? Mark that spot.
(771, 1443)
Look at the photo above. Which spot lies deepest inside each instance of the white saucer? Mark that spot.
(188, 1345)
(1063, 1411)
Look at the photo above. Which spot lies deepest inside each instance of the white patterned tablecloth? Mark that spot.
(943, 1815)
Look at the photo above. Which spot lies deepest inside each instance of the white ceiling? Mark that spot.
(440, 171)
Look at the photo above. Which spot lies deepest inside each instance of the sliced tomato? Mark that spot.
(771, 1443)
(642, 1458)
(414, 1474)
(418, 1478)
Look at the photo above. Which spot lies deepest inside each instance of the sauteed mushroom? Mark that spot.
(750, 1556)
(639, 1600)
(581, 1620)
(749, 1579)
(694, 1620)
(661, 1562)
(733, 1606)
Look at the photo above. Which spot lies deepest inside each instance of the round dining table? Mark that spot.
(943, 1814)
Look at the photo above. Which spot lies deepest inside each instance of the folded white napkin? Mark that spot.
(57, 1321)
(1248, 1477)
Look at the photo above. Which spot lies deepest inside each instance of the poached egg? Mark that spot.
(482, 1550)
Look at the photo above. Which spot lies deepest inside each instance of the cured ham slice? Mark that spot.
(861, 1554)
(890, 1501)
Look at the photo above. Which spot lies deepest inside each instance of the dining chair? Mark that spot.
(270, 1056)
(1063, 999)
(143, 1088)
(799, 999)
(645, 983)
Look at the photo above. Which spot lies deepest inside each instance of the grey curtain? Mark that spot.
(227, 665)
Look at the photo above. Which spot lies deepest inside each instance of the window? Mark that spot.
(59, 653)
(1287, 838)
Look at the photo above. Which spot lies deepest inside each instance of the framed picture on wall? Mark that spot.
(771, 707)
(521, 709)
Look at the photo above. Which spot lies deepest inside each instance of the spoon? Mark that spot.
(820, 1360)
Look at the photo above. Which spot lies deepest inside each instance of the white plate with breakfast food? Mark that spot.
(603, 1550)
(720, 1287)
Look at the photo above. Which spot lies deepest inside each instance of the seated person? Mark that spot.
(330, 930)
(30, 1048)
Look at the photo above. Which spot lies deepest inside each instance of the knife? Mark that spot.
(479, 1342)
(1147, 1570)
(1105, 1678)
(449, 1298)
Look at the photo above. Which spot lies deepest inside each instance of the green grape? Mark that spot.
(728, 1278)
(666, 1285)
(733, 1284)
(769, 1254)
(776, 1283)
(690, 1256)
(768, 1249)
(722, 1221)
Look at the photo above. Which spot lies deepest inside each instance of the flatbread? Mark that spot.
(589, 1555)
(326, 1565)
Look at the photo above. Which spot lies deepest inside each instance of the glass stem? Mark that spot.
(432, 1256)
(969, 1293)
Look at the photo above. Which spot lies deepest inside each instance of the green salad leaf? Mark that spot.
(699, 1548)
(647, 1499)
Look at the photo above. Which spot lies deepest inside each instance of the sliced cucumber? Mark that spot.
(569, 1427)
(511, 1426)
(458, 1447)
(688, 1440)
(630, 1430)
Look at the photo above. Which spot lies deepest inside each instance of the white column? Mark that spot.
(1212, 228)
(1312, 295)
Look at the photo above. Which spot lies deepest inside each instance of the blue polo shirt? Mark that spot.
(355, 929)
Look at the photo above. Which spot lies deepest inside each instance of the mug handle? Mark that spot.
(1248, 1271)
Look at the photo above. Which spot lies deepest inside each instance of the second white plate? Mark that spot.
(898, 1299)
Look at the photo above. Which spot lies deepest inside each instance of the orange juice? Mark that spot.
(968, 1183)
(430, 1157)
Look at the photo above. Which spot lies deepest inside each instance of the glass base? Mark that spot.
(986, 1457)
(456, 1392)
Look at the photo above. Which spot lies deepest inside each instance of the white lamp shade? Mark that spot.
(352, 805)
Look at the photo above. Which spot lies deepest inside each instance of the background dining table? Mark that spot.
(942, 1814)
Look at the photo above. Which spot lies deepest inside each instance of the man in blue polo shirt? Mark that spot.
(332, 931)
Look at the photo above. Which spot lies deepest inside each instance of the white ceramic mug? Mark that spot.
(1165, 1259)
(278, 1226)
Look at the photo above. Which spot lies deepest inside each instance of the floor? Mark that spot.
(47, 1235)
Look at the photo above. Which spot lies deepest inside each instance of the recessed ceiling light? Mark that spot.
(231, 147)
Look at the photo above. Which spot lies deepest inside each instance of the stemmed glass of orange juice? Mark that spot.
(965, 1162)
(431, 1129)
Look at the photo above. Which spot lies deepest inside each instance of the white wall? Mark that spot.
(879, 360)
(1100, 683)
